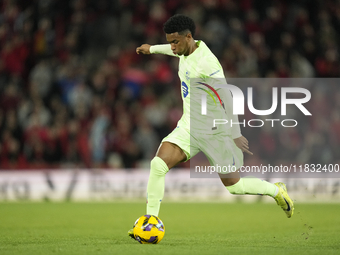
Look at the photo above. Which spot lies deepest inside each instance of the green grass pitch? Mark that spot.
(190, 228)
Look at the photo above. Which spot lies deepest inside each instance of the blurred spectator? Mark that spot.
(146, 138)
(41, 77)
(97, 137)
(80, 96)
(73, 92)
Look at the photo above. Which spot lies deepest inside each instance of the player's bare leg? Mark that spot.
(171, 154)
(255, 186)
(230, 179)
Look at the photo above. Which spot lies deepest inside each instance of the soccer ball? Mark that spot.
(148, 229)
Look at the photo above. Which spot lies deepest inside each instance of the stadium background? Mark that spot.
(76, 98)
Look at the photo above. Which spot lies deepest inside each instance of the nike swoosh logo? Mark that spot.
(288, 207)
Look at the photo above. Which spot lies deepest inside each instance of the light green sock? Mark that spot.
(155, 189)
(253, 186)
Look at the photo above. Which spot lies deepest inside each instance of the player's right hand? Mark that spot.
(144, 49)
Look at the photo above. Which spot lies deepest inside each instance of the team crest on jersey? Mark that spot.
(187, 75)
(185, 89)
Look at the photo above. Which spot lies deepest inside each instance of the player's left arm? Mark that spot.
(212, 74)
(240, 141)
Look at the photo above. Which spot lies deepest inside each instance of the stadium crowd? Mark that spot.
(74, 93)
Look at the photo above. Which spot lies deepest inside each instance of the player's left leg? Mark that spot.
(255, 186)
(248, 185)
(222, 151)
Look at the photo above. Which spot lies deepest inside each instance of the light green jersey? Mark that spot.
(199, 73)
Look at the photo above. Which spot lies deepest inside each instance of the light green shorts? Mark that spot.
(220, 149)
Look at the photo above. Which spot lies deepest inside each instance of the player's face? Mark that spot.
(179, 43)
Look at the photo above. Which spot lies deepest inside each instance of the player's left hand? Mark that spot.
(242, 143)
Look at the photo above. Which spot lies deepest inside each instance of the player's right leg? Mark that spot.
(175, 148)
(167, 156)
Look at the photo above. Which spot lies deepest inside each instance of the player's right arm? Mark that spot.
(155, 49)
(144, 49)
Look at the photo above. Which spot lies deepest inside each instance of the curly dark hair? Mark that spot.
(179, 23)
